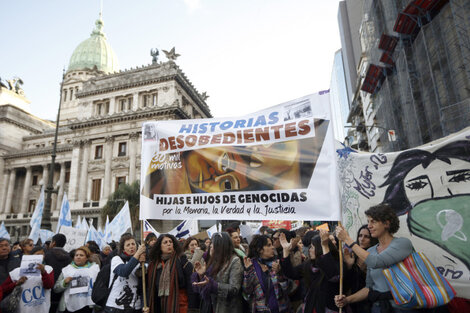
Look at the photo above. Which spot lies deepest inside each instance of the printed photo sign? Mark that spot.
(276, 164)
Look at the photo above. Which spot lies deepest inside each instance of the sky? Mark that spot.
(247, 55)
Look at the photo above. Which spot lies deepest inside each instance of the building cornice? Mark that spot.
(37, 151)
(129, 116)
(20, 125)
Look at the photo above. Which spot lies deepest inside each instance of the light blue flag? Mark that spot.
(107, 231)
(36, 219)
(3, 232)
(93, 235)
(65, 215)
(45, 235)
(120, 223)
(84, 224)
(78, 223)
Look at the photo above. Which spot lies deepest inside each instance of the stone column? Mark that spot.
(84, 171)
(132, 155)
(112, 105)
(107, 168)
(61, 186)
(11, 188)
(74, 167)
(45, 175)
(135, 101)
(26, 189)
(3, 180)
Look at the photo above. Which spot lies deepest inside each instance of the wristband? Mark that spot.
(352, 245)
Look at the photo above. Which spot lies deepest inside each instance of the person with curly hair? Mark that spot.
(382, 223)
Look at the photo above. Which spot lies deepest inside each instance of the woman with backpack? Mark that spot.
(76, 282)
(169, 277)
(125, 278)
(219, 283)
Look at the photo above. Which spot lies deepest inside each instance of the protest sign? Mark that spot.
(428, 187)
(274, 164)
(75, 237)
(29, 265)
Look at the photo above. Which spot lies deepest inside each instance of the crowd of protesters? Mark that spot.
(277, 271)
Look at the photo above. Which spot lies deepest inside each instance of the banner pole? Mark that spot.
(142, 264)
(340, 250)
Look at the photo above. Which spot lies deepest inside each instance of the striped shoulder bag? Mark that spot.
(416, 283)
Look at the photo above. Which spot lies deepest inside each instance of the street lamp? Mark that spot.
(46, 213)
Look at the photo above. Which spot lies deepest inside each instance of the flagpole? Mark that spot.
(340, 248)
(142, 264)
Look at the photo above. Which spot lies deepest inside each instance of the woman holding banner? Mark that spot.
(76, 282)
(382, 223)
(125, 278)
(219, 284)
(169, 277)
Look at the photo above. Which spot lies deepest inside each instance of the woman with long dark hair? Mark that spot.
(125, 293)
(357, 267)
(320, 273)
(192, 250)
(265, 286)
(169, 278)
(219, 282)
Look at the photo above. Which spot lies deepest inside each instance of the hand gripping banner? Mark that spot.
(276, 164)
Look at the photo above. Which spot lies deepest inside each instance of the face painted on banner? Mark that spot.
(435, 192)
(438, 180)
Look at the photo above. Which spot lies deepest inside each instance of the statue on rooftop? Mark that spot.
(171, 55)
(154, 53)
(15, 84)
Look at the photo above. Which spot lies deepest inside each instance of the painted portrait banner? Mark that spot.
(428, 187)
(276, 164)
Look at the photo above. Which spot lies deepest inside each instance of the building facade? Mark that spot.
(98, 148)
(414, 73)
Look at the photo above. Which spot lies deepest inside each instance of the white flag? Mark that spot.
(148, 228)
(107, 231)
(36, 219)
(120, 223)
(186, 229)
(45, 235)
(3, 232)
(65, 215)
(84, 224)
(78, 223)
(93, 235)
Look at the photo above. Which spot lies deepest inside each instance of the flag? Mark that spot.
(36, 219)
(107, 231)
(65, 215)
(120, 223)
(212, 230)
(78, 223)
(93, 235)
(84, 224)
(3, 232)
(186, 229)
(45, 234)
(149, 229)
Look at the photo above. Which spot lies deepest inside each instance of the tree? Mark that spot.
(125, 192)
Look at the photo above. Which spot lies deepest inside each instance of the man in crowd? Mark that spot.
(8, 261)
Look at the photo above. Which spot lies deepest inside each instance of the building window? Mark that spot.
(146, 101)
(96, 190)
(122, 149)
(119, 181)
(71, 93)
(32, 205)
(101, 108)
(65, 95)
(35, 180)
(67, 177)
(150, 99)
(98, 152)
(129, 103)
(154, 99)
(122, 105)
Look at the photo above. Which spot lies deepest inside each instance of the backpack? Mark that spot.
(101, 287)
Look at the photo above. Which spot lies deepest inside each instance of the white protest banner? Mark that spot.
(75, 237)
(429, 189)
(277, 164)
(29, 265)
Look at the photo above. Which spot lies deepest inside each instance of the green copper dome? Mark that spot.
(95, 51)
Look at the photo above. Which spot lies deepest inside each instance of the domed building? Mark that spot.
(102, 112)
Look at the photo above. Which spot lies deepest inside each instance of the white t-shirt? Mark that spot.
(78, 293)
(124, 295)
(34, 298)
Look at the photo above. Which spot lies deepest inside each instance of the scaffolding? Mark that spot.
(422, 48)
